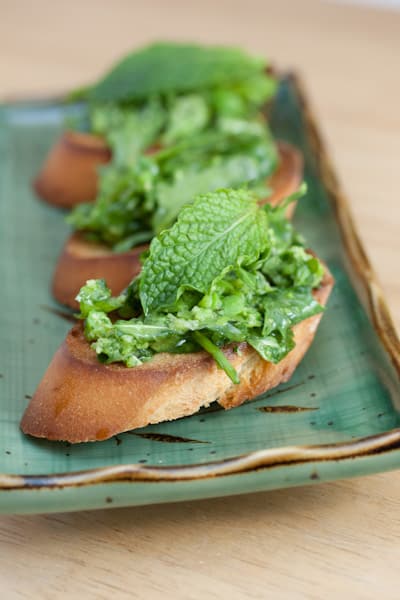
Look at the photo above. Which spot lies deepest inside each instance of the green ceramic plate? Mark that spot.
(336, 418)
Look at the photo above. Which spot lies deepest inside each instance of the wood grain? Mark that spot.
(328, 541)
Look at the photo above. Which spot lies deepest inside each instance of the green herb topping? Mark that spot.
(177, 118)
(167, 67)
(228, 271)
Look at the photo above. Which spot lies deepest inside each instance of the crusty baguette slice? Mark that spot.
(69, 174)
(81, 260)
(80, 400)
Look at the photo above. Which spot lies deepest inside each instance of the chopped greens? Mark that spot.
(128, 131)
(139, 192)
(181, 120)
(228, 271)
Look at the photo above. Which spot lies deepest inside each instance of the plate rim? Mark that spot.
(371, 297)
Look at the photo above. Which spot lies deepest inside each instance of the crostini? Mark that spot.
(158, 95)
(226, 305)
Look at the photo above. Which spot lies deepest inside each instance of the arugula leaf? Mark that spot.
(220, 229)
(164, 68)
(282, 309)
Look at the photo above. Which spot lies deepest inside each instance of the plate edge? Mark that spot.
(374, 300)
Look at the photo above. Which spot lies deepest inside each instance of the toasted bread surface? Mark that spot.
(80, 399)
(81, 260)
(69, 174)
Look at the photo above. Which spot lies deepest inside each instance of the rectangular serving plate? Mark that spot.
(337, 417)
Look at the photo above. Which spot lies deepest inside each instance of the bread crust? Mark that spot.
(81, 260)
(287, 178)
(80, 399)
(69, 174)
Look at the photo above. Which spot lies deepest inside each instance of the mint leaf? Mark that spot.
(168, 67)
(232, 171)
(220, 229)
(283, 308)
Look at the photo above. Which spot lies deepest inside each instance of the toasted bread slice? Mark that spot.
(69, 174)
(80, 399)
(81, 260)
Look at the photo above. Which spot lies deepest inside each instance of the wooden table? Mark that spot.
(329, 541)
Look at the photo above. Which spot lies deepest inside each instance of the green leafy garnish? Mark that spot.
(147, 193)
(181, 120)
(168, 67)
(226, 272)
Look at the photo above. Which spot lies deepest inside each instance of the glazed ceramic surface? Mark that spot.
(337, 417)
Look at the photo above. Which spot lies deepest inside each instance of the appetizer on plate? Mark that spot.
(86, 255)
(167, 119)
(226, 304)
